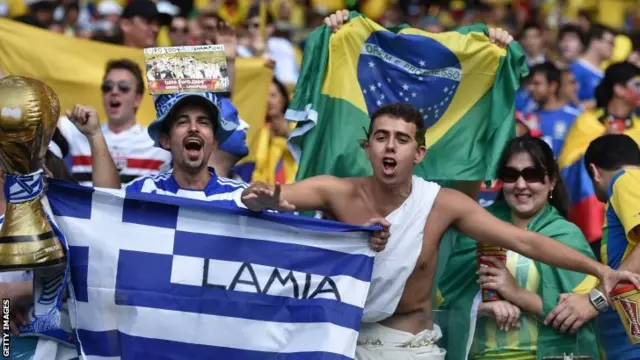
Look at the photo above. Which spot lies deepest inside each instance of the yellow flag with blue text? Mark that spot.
(463, 84)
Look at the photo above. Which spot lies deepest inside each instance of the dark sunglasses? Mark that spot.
(108, 86)
(175, 29)
(529, 174)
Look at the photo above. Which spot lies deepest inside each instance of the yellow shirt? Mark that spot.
(622, 218)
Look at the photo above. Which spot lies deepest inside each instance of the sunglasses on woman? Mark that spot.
(529, 174)
(108, 86)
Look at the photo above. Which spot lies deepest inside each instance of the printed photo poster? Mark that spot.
(186, 69)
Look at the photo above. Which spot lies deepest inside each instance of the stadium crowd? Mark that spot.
(571, 173)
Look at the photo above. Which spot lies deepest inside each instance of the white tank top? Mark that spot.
(397, 261)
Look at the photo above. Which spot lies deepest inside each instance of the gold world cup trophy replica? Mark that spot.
(29, 111)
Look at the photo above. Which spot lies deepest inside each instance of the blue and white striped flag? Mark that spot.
(171, 278)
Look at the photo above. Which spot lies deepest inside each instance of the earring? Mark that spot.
(551, 194)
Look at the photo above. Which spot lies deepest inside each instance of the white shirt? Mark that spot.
(132, 150)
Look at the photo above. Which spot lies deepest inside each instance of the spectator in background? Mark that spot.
(571, 44)
(40, 13)
(138, 25)
(129, 143)
(532, 42)
(274, 162)
(431, 24)
(553, 117)
(587, 69)
(56, 27)
(208, 25)
(179, 31)
(108, 16)
(278, 49)
(612, 162)
(617, 97)
(70, 19)
(569, 90)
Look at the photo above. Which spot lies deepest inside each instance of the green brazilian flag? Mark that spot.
(462, 83)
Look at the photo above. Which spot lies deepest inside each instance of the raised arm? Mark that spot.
(314, 193)
(105, 173)
(476, 222)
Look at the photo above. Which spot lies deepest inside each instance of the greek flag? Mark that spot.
(162, 277)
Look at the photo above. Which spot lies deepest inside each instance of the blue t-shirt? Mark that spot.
(523, 101)
(555, 124)
(588, 77)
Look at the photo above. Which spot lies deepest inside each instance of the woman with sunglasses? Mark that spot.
(533, 197)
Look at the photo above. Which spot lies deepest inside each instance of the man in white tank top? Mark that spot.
(398, 321)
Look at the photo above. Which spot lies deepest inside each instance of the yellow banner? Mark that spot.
(74, 69)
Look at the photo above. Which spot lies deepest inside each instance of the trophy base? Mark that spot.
(60, 262)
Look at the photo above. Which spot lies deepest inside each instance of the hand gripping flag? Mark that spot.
(462, 84)
(156, 276)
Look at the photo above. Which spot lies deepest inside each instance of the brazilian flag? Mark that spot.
(462, 83)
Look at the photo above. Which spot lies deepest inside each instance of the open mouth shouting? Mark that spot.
(114, 106)
(193, 146)
(388, 165)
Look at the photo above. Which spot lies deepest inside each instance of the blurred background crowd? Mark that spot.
(571, 47)
(539, 25)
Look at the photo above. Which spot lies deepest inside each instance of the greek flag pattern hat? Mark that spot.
(166, 103)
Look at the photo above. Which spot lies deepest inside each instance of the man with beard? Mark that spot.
(190, 126)
(398, 321)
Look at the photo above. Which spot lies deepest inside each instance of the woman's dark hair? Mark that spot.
(616, 74)
(543, 158)
(612, 152)
(282, 89)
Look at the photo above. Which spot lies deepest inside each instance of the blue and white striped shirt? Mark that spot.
(221, 190)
